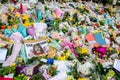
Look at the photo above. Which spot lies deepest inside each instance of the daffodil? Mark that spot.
(70, 18)
(84, 50)
(68, 53)
(19, 59)
(74, 10)
(62, 58)
(80, 7)
(9, 27)
(69, 78)
(24, 17)
(43, 20)
(81, 78)
(110, 48)
(17, 15)
(96, 31)
(26, 24)
(13, 64)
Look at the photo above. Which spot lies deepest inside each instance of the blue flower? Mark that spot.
(50, 61)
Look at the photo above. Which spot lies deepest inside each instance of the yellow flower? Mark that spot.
(24, 17)
(60, 41)
(62, 58)
(118, 51)
(13, 64)
(74, 10)
(84, 50)
(48, 40)
(11, 8)
(44, 37)
(43, 20)
(100, 31)
(70, 18)
(9, 27)
(80, 7)
(17, 15)
(81, 78)
(69, 78)
(96, 31)
(19, 59)
(26, 24)
(15, 26)
(111, 48)
(68, 53)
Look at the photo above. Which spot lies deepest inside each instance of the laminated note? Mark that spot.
(3, 53)
(117, 65)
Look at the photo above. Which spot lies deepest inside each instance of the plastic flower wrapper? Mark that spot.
(57, 13)
(55, 35)
(64, 27)
(52, 52)
(55, 44)
(39, 15)
(49, 20)
(17, 38)
(31, 31)
(3, 19)
(65, 54)
(22, 30)
(67, 43)
(40, 30)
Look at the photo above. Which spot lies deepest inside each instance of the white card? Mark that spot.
(3, 53)
(117, 65)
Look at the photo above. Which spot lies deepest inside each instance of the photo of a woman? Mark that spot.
(37, 49)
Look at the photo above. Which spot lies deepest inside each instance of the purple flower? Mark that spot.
(19, 69)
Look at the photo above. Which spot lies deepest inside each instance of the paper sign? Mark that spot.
(3, 53)
(117, 65)
(36, 48)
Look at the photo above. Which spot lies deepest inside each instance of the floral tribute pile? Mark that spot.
(54, 41)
